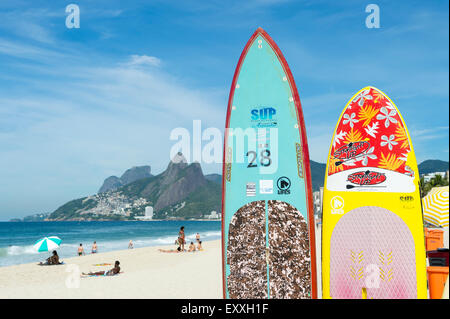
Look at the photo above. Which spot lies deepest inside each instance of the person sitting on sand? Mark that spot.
(80, 250)
(111, 272)
(94, 248)
(199, 245)
(178, 250)
(191, 247)
(52, 260)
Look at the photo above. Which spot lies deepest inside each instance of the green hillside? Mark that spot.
(431, 166)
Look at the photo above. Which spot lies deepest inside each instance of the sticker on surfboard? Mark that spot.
(373, 246)
(268, 241)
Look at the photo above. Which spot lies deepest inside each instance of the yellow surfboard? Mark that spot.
(372, 238)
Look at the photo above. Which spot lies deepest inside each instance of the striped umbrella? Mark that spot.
(435, 206)
(47, 243)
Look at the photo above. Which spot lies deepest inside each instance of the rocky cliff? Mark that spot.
(181, 192)
(131, 175)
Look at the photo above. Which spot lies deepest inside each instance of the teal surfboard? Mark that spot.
(268, 243)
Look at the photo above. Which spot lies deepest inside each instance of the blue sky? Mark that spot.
(78, 105)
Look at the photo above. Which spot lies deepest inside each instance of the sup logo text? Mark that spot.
(366, 178)
(350, 151)
(266, 113)
(264, 117)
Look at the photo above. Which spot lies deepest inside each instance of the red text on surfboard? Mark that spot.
(366, 178)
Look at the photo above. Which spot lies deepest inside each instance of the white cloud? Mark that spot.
(431, 133)
(30, 23)
(143, 60)
(31, 52)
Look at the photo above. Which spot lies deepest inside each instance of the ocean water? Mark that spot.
(17, 239)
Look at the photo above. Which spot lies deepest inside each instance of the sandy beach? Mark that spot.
(147, 273)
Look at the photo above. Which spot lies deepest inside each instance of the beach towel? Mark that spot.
(103, 264)
(85, 276)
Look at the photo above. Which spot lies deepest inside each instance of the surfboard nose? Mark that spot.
(261, 31)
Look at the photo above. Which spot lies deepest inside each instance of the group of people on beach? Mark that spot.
(181, 241)
(54, 260)
(80, 250)
(111, 272)
(95, 248)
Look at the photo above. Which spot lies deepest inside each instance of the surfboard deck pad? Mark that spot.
(246, 253)
(372, 248)
(286, 261)
(289, 261)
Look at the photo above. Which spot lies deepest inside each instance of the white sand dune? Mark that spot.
(147, 273)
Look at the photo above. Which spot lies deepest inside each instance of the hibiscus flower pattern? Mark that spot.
(387, 116)
(361, 97)
(389, 141)
(374, 119)
(350, 119)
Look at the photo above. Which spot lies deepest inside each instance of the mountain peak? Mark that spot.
(129, 176)
(431, 166)
(135, 173)
(176, 165)
(178, 158)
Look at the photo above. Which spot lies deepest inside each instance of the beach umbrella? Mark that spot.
(47, 243)
(435, 206)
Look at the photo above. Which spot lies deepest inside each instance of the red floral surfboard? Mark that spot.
(370, 134)
(372, 237)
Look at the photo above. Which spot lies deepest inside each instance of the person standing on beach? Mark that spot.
(197, 237)
(181, 236)
(94, 247)
(130, 244)
(80, 250)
